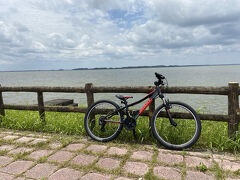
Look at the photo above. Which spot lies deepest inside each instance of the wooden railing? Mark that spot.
(232, 91)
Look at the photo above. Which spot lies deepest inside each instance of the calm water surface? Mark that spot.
(177, 76)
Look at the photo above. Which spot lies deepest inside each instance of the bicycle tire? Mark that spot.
(170, 136)
(113, 129)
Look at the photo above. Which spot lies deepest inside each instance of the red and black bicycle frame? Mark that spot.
(152, 95)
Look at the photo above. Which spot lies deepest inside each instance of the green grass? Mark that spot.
(64, 123)
(213, 136)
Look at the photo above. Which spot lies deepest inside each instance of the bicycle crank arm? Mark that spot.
(102, 128)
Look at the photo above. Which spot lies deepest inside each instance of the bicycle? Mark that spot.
(174, 124)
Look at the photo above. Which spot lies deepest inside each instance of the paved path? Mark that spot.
(28, 155)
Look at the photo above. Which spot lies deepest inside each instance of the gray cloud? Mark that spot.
(101, 32)
(56, 40)
(186, 24)
(194, 13)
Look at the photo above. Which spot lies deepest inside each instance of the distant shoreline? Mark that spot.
(156, 66)
(126, 67)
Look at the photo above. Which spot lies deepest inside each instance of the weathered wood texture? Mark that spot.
(89, 94)
(232, 91)
(90, 97)
(2, 112)
(122, 89)
(41, 106)
(43, 89)
(233, 106)
(147, 89)
(212, 117)
(59, 102)
(46, 108)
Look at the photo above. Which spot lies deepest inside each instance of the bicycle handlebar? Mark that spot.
(160, 78)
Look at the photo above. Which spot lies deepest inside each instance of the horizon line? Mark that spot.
(124, 67)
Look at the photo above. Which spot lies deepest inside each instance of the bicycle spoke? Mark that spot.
(106, 123)
(185, 133)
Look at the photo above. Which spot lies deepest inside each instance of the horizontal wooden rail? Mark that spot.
(146, 89)
(46, 108)
(199, 90)
(232, 91)
(43, 89)
(212, 117)
(122, 89)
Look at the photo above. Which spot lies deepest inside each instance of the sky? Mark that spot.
(67, 34)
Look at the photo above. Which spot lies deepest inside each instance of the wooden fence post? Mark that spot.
(150, 113)
(233, 106)
(2, 111)
(90, 97)
(89, 93)
(41, 106)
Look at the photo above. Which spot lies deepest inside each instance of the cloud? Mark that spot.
(187, 24)
(106, 32)
(194, 13)
(5, 62)
(57, 40)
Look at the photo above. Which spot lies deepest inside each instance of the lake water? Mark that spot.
(177, 76)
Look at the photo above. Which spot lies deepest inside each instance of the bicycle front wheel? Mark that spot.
(102, 121)
(187, 129)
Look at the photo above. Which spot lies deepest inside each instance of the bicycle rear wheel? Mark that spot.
(102, 121)
(179, 137)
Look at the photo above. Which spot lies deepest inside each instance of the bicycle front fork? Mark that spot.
(167, 108)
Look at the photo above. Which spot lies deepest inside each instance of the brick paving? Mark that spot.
(66, 173)
(41, 171)
(191, 175)
(38, 140)
(55, 145)
(4, 160)
(96, 148)
(196, 161)
(24, 140)
(21, 150)
(40, 153)
(6, 176)
(61, 156)
(84, 159)
(170, 158)
(108, 163)
(117, 151)
(6, 147)
(167, 172)
(137, 168)
(95, 176)
(144, 155)
(29, 155)
(17, 167)
(10, 137)
(75, 147)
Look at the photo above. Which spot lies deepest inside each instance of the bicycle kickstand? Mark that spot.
(134, 134)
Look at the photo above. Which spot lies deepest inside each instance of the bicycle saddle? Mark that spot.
(123, 97)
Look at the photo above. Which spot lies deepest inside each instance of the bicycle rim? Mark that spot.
(105, 111)
(185, 134)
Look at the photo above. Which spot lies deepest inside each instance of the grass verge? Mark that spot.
(213, 136)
